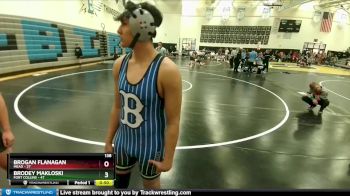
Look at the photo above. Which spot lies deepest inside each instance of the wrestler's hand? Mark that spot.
(161, 166)
(8, 138)
(108, 148)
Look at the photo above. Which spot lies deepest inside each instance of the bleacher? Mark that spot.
(27, 44)
(343, 63)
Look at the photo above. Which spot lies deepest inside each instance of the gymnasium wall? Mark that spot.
(73, 12)
(169, 30)
(27, 43)
(192, 21)
(179, 24)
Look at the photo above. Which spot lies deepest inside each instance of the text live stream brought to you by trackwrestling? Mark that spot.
(65, 192)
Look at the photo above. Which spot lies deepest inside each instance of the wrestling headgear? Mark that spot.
(141, 21)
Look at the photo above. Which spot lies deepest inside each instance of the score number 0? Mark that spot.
(106, 164)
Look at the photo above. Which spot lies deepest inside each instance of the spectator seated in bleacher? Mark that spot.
(175, 53)
(220, 57)
(304, 61)
(212, 55)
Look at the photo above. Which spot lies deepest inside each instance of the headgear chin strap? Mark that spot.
(142, 26)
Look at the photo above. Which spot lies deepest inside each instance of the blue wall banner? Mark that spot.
(27, 44)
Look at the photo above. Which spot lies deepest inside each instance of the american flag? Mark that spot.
(326, 24)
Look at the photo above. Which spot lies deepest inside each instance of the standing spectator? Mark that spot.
(78, 53)
(160, 49)
(251, 60)
(259, 63)
(237, 60)
(227, 51)
(266, 60)
(243, 58)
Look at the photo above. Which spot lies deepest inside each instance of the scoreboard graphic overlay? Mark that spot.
(61, 169)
